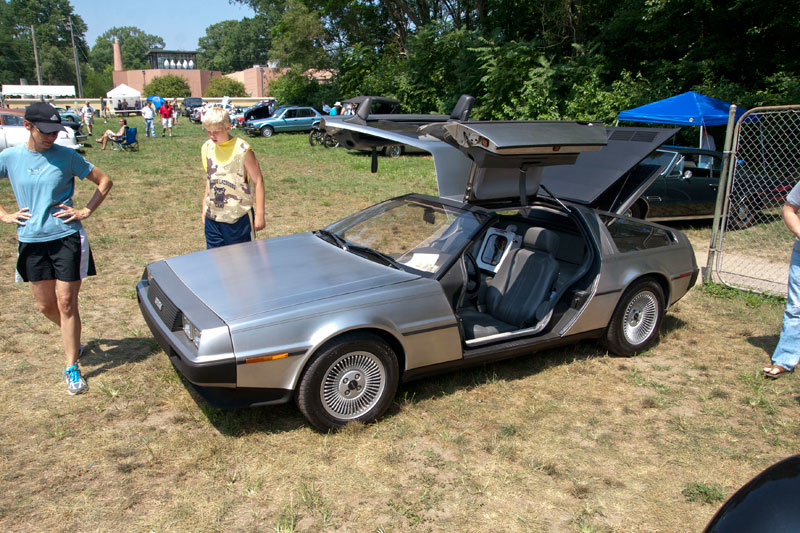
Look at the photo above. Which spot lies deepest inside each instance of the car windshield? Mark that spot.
(406, 233)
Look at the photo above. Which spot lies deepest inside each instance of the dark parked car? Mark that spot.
(284, 119)
(494, 267)
(381, 113)
(378, 105)
(687, 188)
(262, 109)
(189, 104)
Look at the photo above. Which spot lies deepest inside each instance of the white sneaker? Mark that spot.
(75, 382)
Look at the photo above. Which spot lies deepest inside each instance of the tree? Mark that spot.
(168, 86)
(134, 44)
(50, 19)
(233, 45)
(296, 88)
(97, 84)
(298, 38)
(223, 86)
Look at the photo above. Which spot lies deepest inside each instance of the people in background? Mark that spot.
(87, 114)
(165, 111)
(148, 115)
(114, 135)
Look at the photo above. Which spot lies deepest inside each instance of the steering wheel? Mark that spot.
(473, 274)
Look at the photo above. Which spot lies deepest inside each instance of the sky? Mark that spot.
(181, 25)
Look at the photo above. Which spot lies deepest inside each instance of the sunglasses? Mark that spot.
(53, 134)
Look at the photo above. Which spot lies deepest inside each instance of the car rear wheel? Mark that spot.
(393, 151)
(353, 378)
(636, 322)
(635, 211)
(267, 131)
(329, 141)
(743, 213)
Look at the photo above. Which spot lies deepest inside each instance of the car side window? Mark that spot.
(290, 114)
(630, 235)
(13, 120)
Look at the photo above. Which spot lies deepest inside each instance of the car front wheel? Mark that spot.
(636, 322)
(354, 378)
(267, 131)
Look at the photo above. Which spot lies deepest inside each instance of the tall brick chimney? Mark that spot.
(117, 56)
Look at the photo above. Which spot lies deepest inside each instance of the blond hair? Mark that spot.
(216, 117)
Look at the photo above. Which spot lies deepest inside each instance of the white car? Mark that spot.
(13, 132)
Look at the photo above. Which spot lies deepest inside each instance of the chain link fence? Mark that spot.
(753, 245)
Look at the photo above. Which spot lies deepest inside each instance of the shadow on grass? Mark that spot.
(117, 352)
(765, 342)
(509, 370)
(671, 323)
(242, 421)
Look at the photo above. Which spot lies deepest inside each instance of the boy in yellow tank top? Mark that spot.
(233, 203)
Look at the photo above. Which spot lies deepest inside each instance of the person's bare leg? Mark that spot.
(67, 295)
(44, 292)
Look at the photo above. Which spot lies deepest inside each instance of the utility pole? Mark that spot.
(36, 57)
(75, 54)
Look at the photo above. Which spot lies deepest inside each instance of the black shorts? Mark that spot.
(65, 259)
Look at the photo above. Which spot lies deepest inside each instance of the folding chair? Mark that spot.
(130, 143)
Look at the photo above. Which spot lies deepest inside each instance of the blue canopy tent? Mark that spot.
(687, 109)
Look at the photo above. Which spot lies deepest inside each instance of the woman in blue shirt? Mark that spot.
(53, 251)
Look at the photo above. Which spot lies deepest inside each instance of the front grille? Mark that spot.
(168, 311)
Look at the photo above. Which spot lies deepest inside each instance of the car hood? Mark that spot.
(257, 277)
(486, 163)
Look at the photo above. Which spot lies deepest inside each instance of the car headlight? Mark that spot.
(191, 331)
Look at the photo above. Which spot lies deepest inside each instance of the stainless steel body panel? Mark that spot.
(415, 314)
(250, 279)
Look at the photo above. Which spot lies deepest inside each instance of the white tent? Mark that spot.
(124, 97)
(38, 90)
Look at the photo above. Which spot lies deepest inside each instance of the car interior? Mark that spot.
(522, 275)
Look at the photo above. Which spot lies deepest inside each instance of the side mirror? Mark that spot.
(429, 216)
(686, 174)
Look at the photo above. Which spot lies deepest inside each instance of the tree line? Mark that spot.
(541, 59)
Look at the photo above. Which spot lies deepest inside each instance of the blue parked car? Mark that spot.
(284, 118)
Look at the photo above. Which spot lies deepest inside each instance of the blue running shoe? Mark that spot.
(75, 382)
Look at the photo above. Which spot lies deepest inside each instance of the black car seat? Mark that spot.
(523, 284)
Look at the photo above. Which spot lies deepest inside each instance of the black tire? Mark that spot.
(267, 131)
(353, 378)
(635, 211)
(636, 322)
(393, 151)
(314, 137)
(329, 141)
(743, 213)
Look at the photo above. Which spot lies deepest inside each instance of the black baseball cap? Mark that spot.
(45, 117)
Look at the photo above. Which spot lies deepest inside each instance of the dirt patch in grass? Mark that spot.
(564, 440)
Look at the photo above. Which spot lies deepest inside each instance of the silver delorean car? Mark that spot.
(524, 249)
